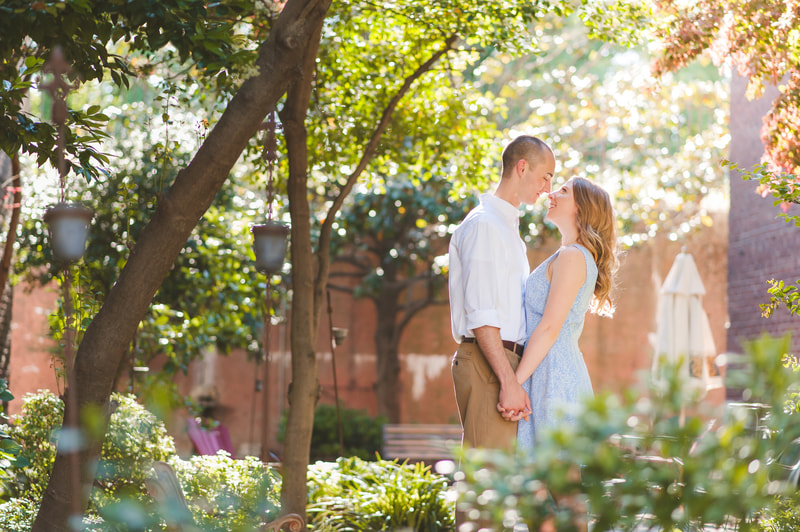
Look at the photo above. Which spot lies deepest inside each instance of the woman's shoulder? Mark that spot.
(569, 260)
(583, 250)
(570, 254)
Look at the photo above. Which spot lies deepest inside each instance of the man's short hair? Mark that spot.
(527, 147)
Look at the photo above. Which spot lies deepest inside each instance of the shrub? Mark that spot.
(17, 515)
(785, 517)
(9, 449)
(226, 494)
(354, 494)
(223, 494)
(34, 430)
(135, 438)
(362, 434)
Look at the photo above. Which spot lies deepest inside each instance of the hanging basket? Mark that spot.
(270, 241)
(68, 228)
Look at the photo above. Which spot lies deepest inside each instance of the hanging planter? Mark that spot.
(270, 241)
(68, 228)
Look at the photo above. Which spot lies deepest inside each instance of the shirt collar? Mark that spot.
(507, 212)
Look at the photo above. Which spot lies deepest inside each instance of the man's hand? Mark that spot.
(514, 404)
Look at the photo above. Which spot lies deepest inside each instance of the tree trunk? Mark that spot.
(389, 388)
(7, 291)
(306, 307)
(8, 250)
(387, 346)
(107, 338)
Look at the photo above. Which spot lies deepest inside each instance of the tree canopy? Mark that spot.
(760, 39)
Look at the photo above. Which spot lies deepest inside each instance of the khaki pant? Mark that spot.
(477, 393)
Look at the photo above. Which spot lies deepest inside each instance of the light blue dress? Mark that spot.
(561, 381)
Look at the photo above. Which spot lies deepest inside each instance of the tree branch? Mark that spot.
(339, 288)
(414, 308)
(323, 251)
(358, 275)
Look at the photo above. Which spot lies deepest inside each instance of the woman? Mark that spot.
(577, 278)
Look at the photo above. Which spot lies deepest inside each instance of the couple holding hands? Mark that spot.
(518, 366)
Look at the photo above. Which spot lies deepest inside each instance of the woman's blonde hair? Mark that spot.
(597, 233)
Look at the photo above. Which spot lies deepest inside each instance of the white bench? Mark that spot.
(420, 442)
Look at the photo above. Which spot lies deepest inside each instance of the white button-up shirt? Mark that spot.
(488, 270)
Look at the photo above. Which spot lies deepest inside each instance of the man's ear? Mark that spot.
(521, 166)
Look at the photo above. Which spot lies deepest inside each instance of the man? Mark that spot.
(488, 269)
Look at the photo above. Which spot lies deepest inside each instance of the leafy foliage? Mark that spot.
(352, 494)
(395, 234)
(782, 187)
(97, 38)
(782, 293)
(213, 294)
(784, 517)
(224, 494)
(18, 514)
(34, 430)
(444, 124)
(785, 192)
(9, 449)
(639, 466)
(761, 39)
(229, 495)
(135, 439)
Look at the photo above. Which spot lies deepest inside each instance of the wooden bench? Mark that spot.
(419, 442)
(165, 489)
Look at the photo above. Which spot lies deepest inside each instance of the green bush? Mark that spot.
(17, 515)
(9, 449)
(34, 430)
(784, 517)
(226, 494)
(362, 434)
(354, 494)
(135, 438)
(223, 494)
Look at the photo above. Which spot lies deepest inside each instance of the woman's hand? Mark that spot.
(514, 415)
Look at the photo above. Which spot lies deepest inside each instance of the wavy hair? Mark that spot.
(597, 233)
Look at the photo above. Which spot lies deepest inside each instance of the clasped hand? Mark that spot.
(514, 415)
(514, 404)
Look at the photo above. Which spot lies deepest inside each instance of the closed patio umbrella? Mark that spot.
(684, 333)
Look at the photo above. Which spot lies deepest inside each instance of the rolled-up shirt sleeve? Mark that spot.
(482, 259)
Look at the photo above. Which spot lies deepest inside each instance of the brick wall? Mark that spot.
(761, 245)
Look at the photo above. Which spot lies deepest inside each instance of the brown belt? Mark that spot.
(511, 346)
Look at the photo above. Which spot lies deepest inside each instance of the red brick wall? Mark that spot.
(761, 245)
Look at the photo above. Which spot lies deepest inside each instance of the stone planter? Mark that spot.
(68, 228)
(270, 241)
